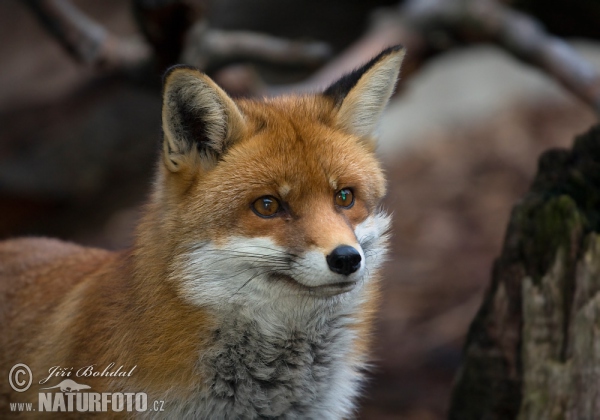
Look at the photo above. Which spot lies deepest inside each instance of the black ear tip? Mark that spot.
(385, 52)
(391, 49)
(338, 90)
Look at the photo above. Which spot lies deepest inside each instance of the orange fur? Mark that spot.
(65, 305)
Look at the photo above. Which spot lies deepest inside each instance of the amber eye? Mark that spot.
(266, 206)
(344, 198)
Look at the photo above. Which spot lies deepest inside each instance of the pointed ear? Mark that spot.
(362, 95)
(199, 119)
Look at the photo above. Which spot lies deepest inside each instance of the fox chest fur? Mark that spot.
(251, 287)
(288, 374)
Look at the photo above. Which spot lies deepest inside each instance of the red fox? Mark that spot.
(251, 286)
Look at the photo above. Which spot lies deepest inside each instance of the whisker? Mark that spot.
(252, 278)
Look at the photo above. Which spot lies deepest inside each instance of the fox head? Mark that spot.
(265, 200)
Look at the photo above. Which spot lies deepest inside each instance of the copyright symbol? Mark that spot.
(15, 377)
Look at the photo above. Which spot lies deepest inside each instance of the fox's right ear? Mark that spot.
(200, 121)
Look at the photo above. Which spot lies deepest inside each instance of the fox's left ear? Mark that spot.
(362, 95)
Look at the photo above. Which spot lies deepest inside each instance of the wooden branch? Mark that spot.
(86, 40)
(519, 34)
(208, 48)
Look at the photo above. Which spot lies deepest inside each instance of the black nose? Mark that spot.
(344, 260)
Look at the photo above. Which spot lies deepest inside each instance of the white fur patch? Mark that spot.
(284, 190)
(373, 235)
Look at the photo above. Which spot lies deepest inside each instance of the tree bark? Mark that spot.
(533, 350)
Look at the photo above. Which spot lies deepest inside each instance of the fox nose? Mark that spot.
(344, 260)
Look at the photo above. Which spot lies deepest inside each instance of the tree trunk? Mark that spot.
(533, 350)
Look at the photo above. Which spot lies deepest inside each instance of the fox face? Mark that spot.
(275, 199)
(295, 224)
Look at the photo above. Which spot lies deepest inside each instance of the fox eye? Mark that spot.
(344, 198)
(266, 206)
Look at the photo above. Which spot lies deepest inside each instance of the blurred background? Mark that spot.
(80, 130)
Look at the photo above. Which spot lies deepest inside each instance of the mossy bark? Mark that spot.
(533, 350)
